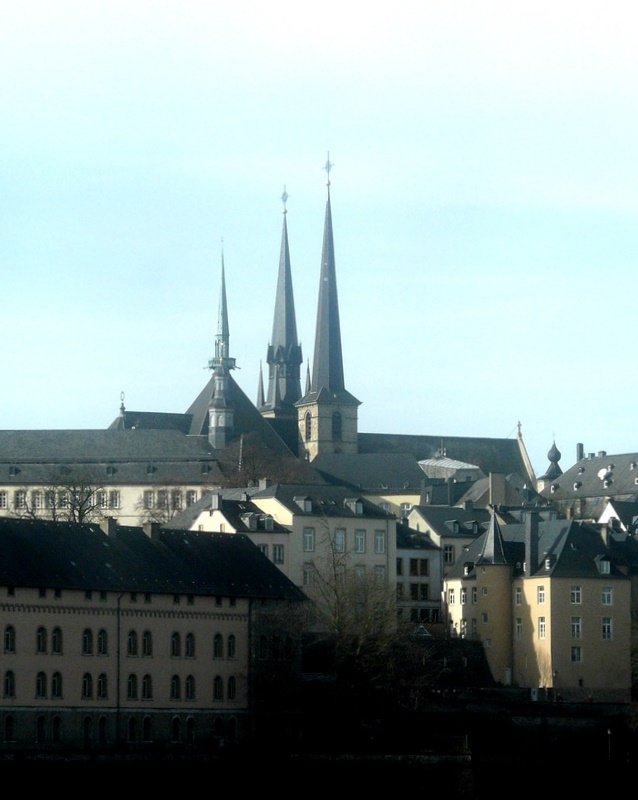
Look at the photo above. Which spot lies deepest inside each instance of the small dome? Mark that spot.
(554, 453)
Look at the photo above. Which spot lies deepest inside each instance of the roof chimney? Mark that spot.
(531, 543)
(152, 529)
(580, 451)
(215, 501)
(109, 526)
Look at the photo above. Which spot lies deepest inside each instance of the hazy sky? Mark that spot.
(484, 196)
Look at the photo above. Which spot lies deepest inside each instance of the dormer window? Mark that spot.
(577, 485)
(304, 503)
(604, 566)
(355, 505)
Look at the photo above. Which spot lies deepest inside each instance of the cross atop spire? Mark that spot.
(328, 166)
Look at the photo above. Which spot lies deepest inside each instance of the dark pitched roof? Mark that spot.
(490, 454)
(234, 509)
(70, 556)
(152, 420)
(371, 471)
(442, 520)
(411, 539)
(597, 476)
(326, 500)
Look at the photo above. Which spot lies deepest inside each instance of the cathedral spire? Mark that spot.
(260, 388)
(222, 339)
(284, 352)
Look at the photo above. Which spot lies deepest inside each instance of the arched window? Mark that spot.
(87, 642)
(231, 647)
(190, 730)
(9, 728)
(218, 688)
(9, 684)
(40, 729)
(87, 686)
(176, 645)
(56, 730)
(189, 687)
(9, 639)
(102, 730)
(131, 687)
(56, 641)
(147, 729)
(131, 646)
(336, 427)
(218, 646)
(189, 645)
(41, 640)
(41, 685)
(147, 687)
(56, 685)
(131, 729)
(308, 426)
(102, 642)
(231, 690)
(147, 643)
(176, 688)
(175, 730)
(102, 686)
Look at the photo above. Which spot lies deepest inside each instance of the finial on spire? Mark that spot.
(328, 166)
(518, 425)
(122, 409)
(284, 199)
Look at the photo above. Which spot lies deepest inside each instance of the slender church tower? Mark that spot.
(220, 411)
(284, 354)
(327, 413)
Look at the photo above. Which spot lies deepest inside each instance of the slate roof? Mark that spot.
(371, 471)
(442, 518)
(490, 454)
(106, 457)
(38, 553)
(410, 539)
(233, 508)
(326, 500)
(597, 476)
(574, 548)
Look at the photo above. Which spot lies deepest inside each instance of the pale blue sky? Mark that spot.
(485, 201)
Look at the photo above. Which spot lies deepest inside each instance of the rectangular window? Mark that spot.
(20, 498)
(575, 595)
(359, 541)
(3, 499)
(607, 628)
(484, 618)
(63, 499)
(519, 627)
(414, 591)
(359, 572)
(101, 499)
(448, 554)
(379, 573)
(576, 627)
(176, 500)
(399, 566)
(340, 540)
(379, 542)
(278, 553)
(37, 500)
(424, 591)
(541, 628)
(450, 597)
(49, 499)
(308, 574)
(474, 595)
(405, 509)
(484, 591)
(419, 566)
(148, 498)
(308, 540)
(264, 549)
(607, 596)
(463, 596)
(162, 498)
(114, 498)
(576, 655)
(540, 595)
(474, 626)
(191, 497)
(399, 591)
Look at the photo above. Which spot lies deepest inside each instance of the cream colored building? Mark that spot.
(121, 640)
(551, 607)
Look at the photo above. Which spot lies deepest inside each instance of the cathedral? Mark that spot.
(151, 461)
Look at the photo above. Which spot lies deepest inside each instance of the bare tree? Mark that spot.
(68, 496)
(159, 504)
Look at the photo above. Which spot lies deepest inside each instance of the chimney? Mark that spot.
(109, 526)
(264, 483)
(215, 501)
(531, 543)
(580, 451)
(497, 489)
(152, 530)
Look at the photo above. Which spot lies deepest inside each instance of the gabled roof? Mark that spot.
(371, 471)
(70, 556)
(442, 519)
(601, 475)
(333, 501)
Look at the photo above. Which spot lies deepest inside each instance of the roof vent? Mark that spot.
(632, 465)
(602, 453)
(607, 483)
(581, 470)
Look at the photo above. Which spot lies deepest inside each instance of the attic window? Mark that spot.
(205, 469)
(632, 465)
(553, 487)
(636, 481)
(607, 483)
(150, 469)
(110, 469)
(604, 566)
(577, 485)
(13, 470)
(581, 470)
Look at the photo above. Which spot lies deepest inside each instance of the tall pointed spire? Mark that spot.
(284, 352)
(493, 551)
(222, 339)
(260, 388)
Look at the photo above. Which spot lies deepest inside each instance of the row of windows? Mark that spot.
(339, 541)
(50, 500)
(418, 591)
(165, 499)
(43, 732)
(309, 574)
(575, 595)
(134, 688)
(576, 628)
(101, 644)
(278, 552)
(417, 567)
